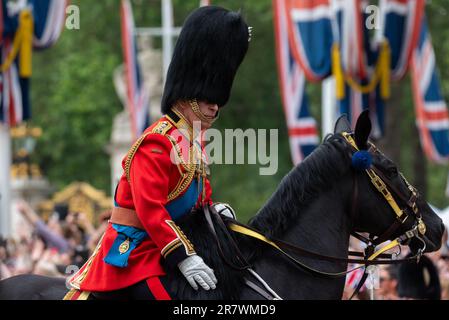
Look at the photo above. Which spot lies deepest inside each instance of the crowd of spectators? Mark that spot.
(426, 280)
(53, 248)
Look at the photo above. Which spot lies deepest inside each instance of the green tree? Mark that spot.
(73, 97)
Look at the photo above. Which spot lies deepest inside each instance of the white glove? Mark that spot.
(225, 209)
(196, 271)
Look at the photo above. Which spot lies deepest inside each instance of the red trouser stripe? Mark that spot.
(157, 289)
(76, 295)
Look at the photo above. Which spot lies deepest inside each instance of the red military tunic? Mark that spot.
(150, 184)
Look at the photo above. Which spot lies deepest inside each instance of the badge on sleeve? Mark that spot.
(124, 246)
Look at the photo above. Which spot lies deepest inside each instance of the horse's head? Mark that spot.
(385, 205)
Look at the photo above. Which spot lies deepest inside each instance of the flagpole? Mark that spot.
(5, 180)
(328, 105)
(167, 38)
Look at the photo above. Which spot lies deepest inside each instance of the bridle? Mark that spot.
(390, 193)
(370, 256)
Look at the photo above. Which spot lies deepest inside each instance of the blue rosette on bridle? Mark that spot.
(361, 160)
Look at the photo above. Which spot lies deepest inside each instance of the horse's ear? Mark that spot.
(362, 130)
(342, 124)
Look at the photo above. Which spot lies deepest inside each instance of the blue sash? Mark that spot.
(128, 238)
(182, 205)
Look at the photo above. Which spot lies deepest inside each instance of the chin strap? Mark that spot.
(196, 110)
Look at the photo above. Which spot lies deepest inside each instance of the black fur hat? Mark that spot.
(209, 50)
(419, 280)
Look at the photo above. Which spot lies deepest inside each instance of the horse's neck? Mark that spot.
(323, 227)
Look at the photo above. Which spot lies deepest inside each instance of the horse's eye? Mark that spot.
(393, 171)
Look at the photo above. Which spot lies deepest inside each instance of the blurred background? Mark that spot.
(65, 158)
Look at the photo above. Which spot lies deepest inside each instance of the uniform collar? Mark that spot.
(180, 122)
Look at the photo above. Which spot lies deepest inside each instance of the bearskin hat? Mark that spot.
(419, 280)
(209, 50)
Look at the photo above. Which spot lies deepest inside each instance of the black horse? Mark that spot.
(316, 206)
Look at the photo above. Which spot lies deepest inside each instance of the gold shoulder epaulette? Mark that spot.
(162, 127)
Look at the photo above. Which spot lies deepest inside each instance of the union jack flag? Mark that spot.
(302, 128)
(14, 93)
(401, 26)
(350, 33)
(309, 27)
(355, 102)
(432, 116)
(14, 104)
(49, 18)
(358, 60)
(137, 97)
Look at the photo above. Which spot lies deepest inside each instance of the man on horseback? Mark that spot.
(165, 171)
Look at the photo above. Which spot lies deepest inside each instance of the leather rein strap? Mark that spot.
(266, 292)
(208, 212)
(281, 246)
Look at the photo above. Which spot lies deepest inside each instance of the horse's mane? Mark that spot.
(314, 175)
(296, 189)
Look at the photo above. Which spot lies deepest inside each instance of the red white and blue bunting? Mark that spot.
(302, 128)
(432, 117)
(49, 19)
(358, 66)
(332, 37)
(309, 27)
(401, 27)
(38, 24)
(137, 101)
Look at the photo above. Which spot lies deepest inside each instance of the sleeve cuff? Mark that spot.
(176, 255)
(178, 249)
